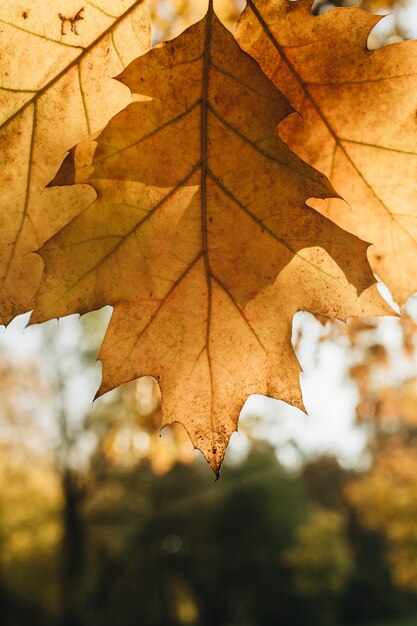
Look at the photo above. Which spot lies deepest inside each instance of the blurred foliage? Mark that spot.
(321, 557)
(105, 523)
(30, 535)
(386, 495)
(386, 500)
(171, 17)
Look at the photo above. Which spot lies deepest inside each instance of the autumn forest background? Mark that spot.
(105, 522)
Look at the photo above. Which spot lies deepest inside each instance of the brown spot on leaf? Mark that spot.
(72, 21)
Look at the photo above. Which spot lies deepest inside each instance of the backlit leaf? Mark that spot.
(357, 122)
(54, 91)
(200, 238)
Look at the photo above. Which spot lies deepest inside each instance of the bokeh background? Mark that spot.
(106, 522)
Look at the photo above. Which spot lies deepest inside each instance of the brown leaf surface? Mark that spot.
(200, 238)
(55, 90)
(357, 122)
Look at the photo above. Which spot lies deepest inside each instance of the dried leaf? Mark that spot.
(200, 238)
(357, 122)
(55, 91)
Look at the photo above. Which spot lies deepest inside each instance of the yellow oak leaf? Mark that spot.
(55, 67)
(200, 238)
(357, 121)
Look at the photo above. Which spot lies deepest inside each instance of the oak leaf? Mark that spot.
(357, 121)
(54, 91)
(200, 238)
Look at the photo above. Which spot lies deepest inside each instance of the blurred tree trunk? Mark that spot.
(3, 604)
(73, 552)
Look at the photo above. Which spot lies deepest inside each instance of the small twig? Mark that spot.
(72, 20)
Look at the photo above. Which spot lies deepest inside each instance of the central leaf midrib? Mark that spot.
(204, 174)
